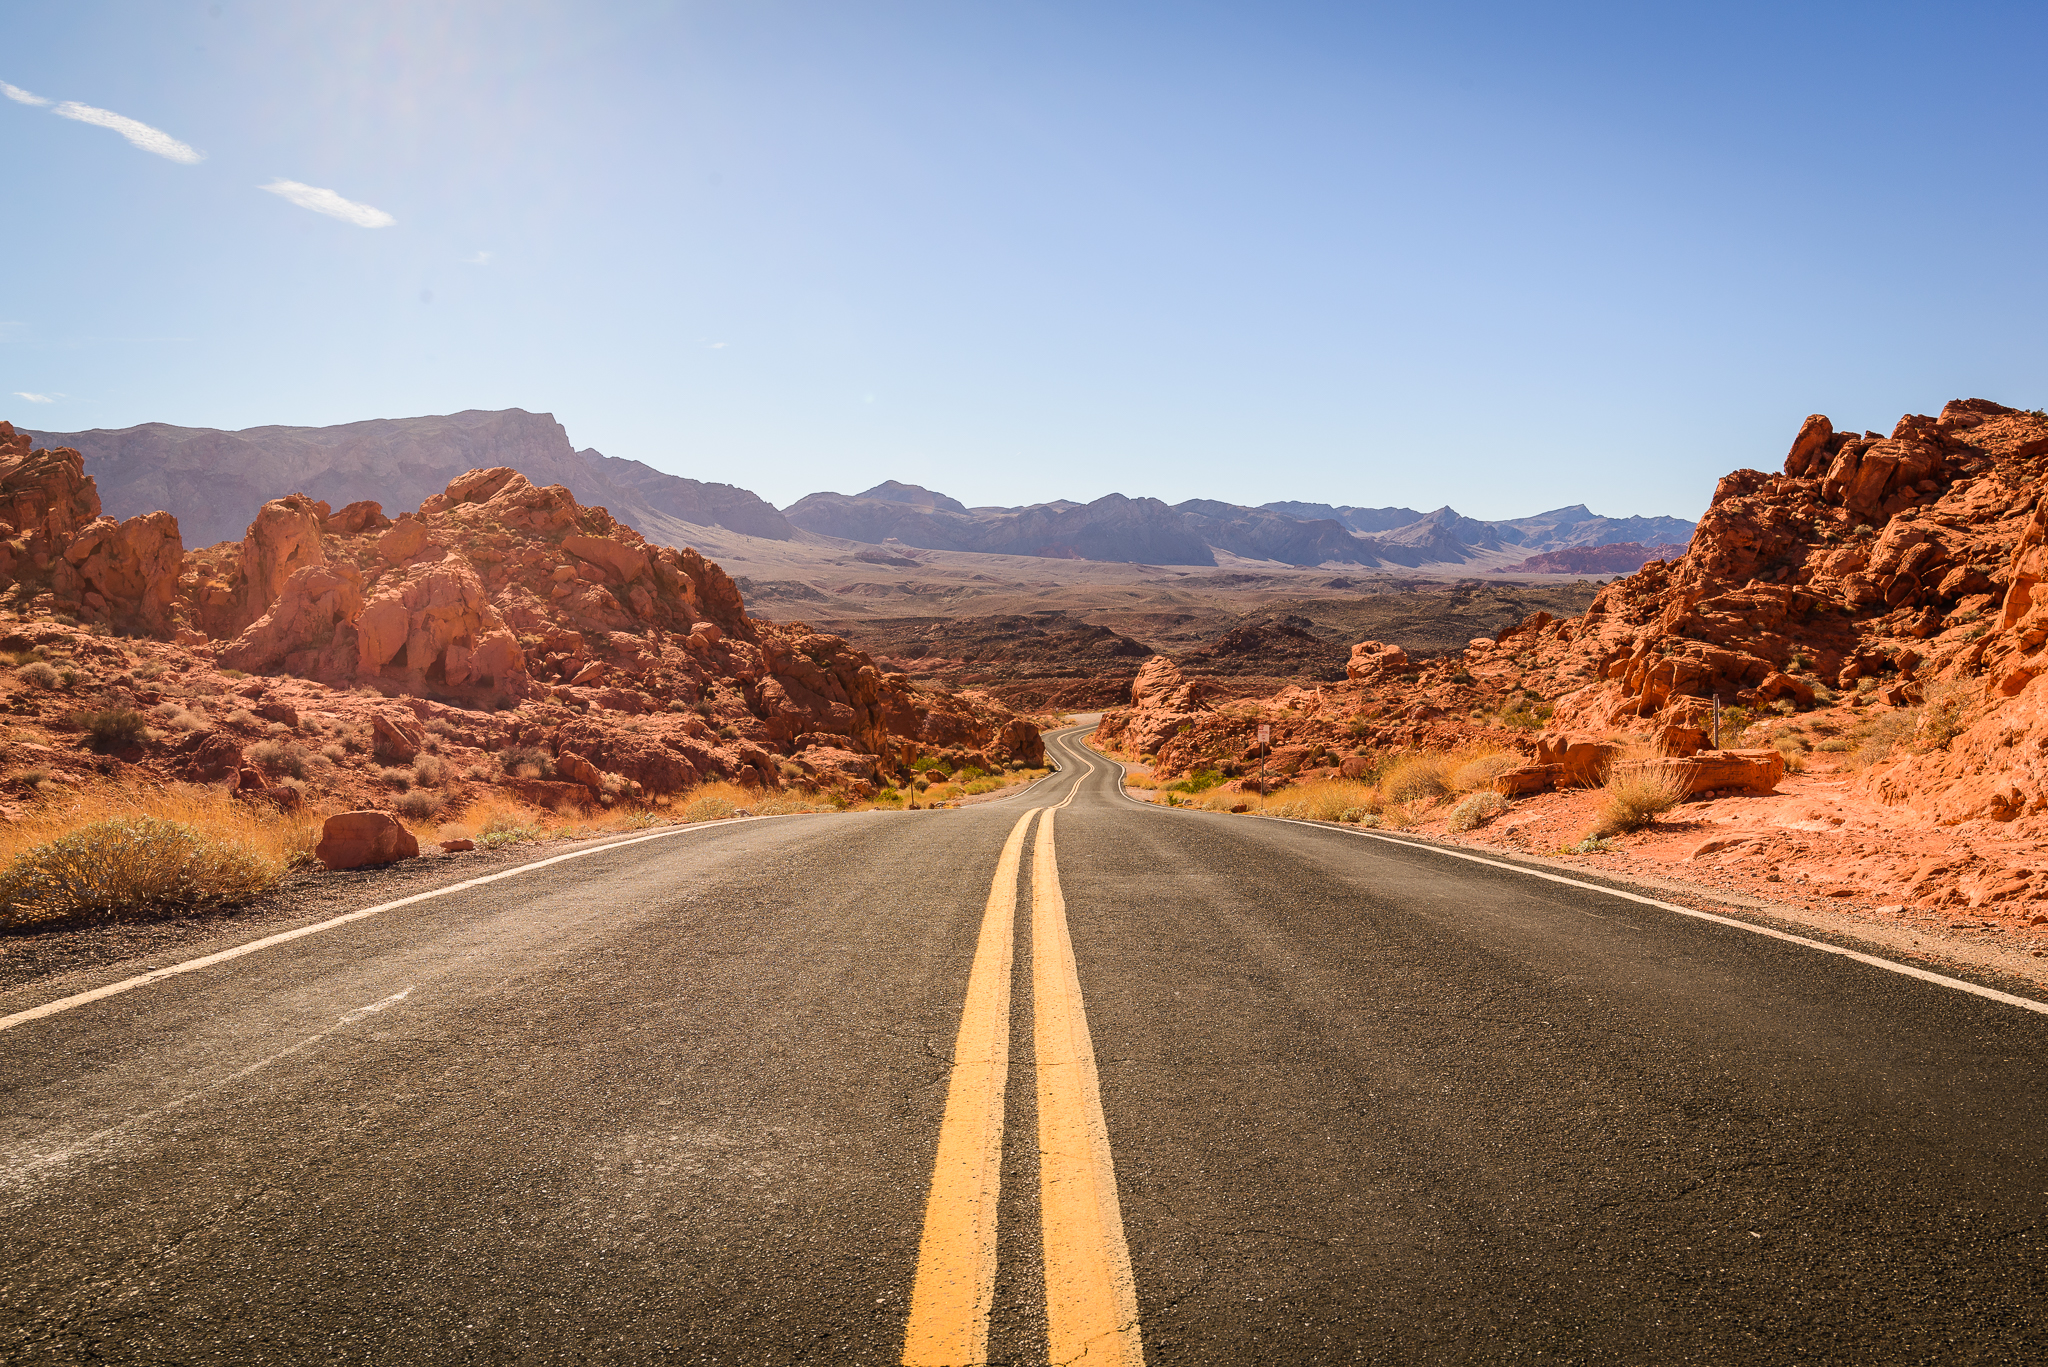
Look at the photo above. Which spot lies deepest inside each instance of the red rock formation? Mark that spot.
(510, 615)
(350, 840)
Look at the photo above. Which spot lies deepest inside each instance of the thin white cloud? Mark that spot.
(327, 202)
(140, 134)
(20, 96)
(35, 398)
(480, 259)
(716, 346)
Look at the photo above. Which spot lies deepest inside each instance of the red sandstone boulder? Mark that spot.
(125, 573)
(351, 840)
(1375, 661)
(1582, 761)
(397, 738)
(1748, 771)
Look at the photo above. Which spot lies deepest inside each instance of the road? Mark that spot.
(1059, 1077)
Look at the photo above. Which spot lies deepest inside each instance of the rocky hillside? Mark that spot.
(213, 481)
(1874, 611)
(506, 613)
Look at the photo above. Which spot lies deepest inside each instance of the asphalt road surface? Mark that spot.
(1056, 1078)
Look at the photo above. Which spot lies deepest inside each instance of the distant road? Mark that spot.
(1060, 1076)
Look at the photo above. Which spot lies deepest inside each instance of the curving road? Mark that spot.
(1061, 1077)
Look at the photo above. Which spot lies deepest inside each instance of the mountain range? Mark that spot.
(214, 481)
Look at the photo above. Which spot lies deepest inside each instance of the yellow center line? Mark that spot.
(1091, 1300)
(956, 1260)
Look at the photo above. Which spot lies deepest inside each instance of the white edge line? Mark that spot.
(193, 965)
(1890, 965)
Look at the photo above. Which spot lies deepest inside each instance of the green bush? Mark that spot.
(129, 864)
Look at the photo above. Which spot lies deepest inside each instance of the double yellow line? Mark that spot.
(1091, 1302)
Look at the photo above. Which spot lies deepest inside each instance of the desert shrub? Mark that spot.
(709, 807)
(1634, 798)
(279, 757)
(131, 864)
(39, 673)
(334, 752)
(1836, 746)
(66, 677)
(493, 820)
(33, 779)
(242, 716)
(441, 726)
(1480, 772)
(401, 779)
(1417, 778)
(1477, 810)
(427, 769)
(1941, 721)
(726, 733)
(527, 762)
(419, 805)
(173, 715)
(113, 728)
(1883, 735)
(1521, 719)
(150, 670)
(1197, 781)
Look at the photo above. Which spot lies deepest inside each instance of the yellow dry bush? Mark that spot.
(1481, 769)
(1425, 777)
(1633, 798)
(116, 852)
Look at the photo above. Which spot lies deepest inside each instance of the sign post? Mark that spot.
(1265, 737)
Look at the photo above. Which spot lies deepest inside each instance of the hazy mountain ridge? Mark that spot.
(210, 480)
(213, 481)
(1189, 533)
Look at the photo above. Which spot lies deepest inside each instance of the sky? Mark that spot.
(1506, 257)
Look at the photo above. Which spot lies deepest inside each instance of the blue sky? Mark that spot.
(1505, 257)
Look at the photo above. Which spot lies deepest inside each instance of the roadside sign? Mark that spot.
(1265, 733)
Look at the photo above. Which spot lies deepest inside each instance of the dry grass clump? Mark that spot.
(113, 728)
(1475, 811)
(1482, 770)
(420, 805)
(1424, 777)
(427, 769)
(494, 819)
(114, 853)
(395, 777)
(527, 762)
(39, 673)
(1633, 798)
(279, 757)
(178, 716)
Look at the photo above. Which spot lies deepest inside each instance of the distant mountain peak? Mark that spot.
(916, 495)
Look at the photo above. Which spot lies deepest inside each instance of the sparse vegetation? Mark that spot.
(420, 805)
(1476, 810)
(527, 762)
(38, 674)
(115, 853)
(113, 728)
(279, 757)
(1633, 798)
